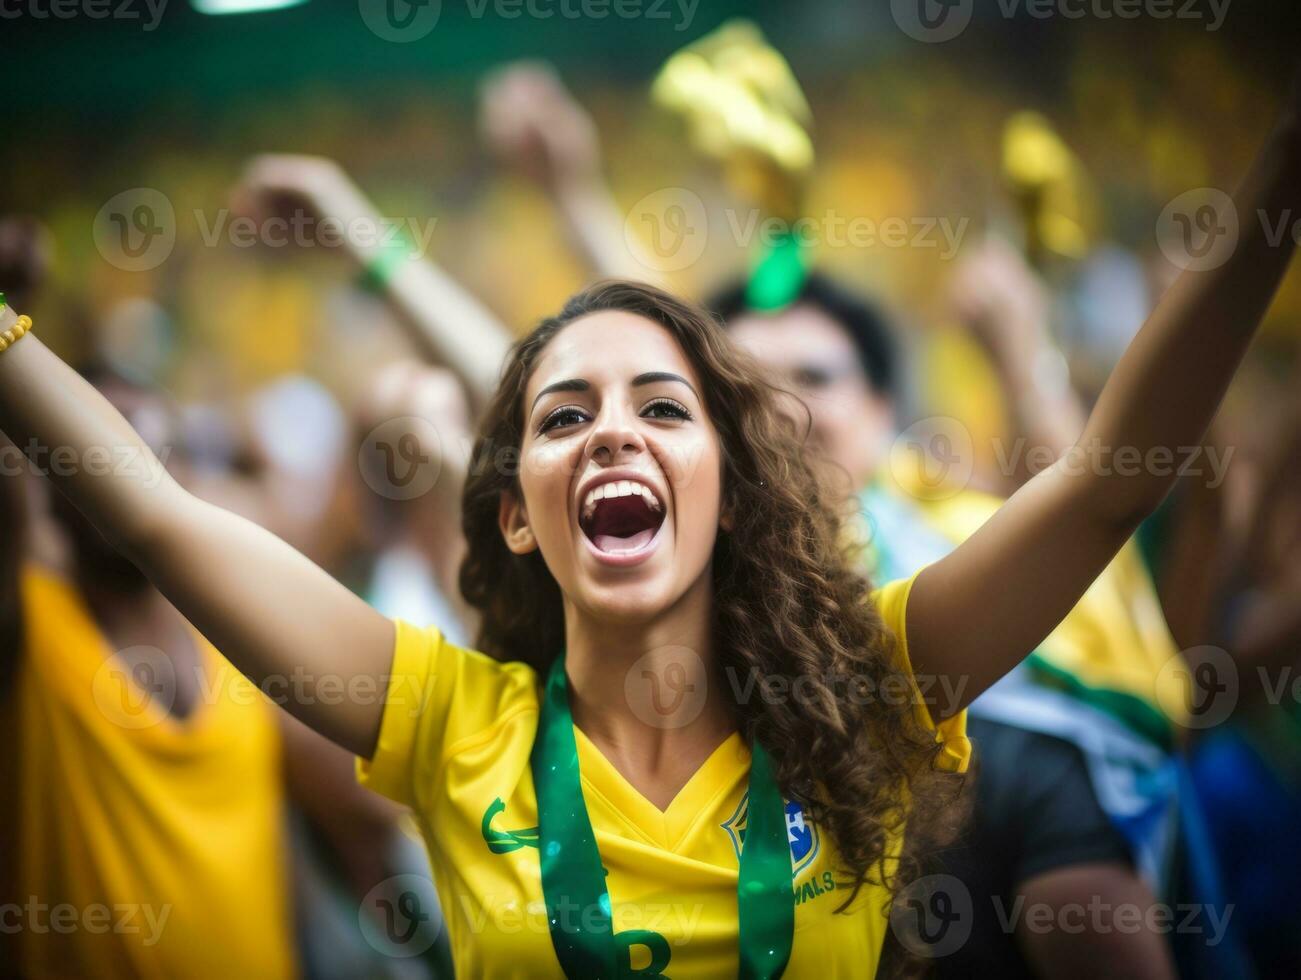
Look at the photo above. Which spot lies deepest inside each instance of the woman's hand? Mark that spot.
(529, 118)
(1001, 300)
(1005, 306)
(292, 187)
(533, 123)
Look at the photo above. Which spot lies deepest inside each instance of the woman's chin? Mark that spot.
(632, 580)
(629, 601)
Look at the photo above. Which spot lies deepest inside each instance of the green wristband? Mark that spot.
(380, 270)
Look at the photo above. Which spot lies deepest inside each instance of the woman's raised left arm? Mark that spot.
(975, 614)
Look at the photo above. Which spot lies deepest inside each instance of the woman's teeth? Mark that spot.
(619, 488)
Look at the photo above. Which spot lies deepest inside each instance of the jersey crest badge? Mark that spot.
(802, 834)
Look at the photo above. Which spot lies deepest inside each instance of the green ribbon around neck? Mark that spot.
(573, 878)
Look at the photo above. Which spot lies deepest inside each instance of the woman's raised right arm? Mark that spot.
(276, 616)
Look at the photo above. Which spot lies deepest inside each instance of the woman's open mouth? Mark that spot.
(621, 519)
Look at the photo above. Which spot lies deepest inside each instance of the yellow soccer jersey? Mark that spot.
(454, 745)
(143, 845)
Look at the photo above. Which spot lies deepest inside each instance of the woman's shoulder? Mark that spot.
(460, 677)
(433, 641)
(514, 679)
(441, 699)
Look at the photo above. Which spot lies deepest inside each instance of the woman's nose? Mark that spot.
(614, 437)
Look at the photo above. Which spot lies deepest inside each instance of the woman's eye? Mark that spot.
(562, 417)
(813, 377)
(666, 408)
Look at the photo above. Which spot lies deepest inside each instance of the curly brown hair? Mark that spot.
(790, 601)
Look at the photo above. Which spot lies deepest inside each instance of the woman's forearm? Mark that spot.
(277, 617)
(1164, 392)
(73, 435)
(595, 227)
(448, 325)
(1043, 407)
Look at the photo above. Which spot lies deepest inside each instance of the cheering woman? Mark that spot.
(691, 744)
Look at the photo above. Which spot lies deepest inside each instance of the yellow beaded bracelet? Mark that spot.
(15, 333)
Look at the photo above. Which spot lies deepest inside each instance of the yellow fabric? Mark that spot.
(454, 745)
(147, 846)
(1116, 637)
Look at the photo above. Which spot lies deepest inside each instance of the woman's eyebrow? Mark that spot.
(571, 384)
(651, 377)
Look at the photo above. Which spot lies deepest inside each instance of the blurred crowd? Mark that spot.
(1148, 755)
